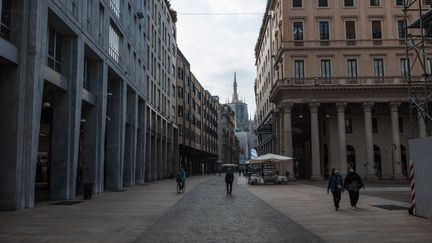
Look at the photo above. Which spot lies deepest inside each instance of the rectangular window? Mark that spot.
(297, 3)
(5, 23)
(298, 33)
(378, 68)
(299, 68)
(350, 33)
(352, 68)
(399, 2)
(428, 66)
(87, 68)
(325, 68)
(374, 2)
(404, 67)
(348, 125)
(115, 6)
(401, 29)
(349, 3)
(324, 29)
(322, 3)
(376, 29)
(376, 32)
(180, 111)
(375, 125)
(54, 50)
(114, 43)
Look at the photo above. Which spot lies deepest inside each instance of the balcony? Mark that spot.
(303, 44)
(338, 81)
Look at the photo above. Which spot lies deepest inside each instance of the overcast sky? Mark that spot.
(218, 45)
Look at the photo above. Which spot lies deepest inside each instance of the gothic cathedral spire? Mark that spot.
(235, 95)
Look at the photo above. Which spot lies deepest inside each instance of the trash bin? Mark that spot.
(88, 190)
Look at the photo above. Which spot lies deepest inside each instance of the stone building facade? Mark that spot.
(331, 87)
(197, 121)
(228, 144)
(87, 95)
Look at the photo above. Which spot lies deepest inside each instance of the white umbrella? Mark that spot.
(269, 158)
(229, 165)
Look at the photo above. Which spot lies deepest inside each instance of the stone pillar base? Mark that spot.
(316, 178)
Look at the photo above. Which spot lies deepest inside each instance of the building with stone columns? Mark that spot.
(87, 95)
(197, 121)
(331, 87)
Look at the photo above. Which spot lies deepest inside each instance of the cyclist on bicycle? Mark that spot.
(181, 178)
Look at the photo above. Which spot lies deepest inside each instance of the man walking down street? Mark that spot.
(229, 178)
(335, 185)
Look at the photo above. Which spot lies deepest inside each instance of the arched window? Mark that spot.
(351, 158)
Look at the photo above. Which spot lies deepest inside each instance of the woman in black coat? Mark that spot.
(353, 183)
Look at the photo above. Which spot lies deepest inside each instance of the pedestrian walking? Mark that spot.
(181, 179)
(353, 183)
(335, 185)
(229, 178)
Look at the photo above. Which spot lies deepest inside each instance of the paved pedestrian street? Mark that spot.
(296, 212)
(207, 214)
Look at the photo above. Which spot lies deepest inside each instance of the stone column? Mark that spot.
(286, 109)
(396, 148)
(275, 133)
(421, 125)
(129, 168)
(116, 111)
(141, 143)
(367, 107)
(149, 146)
(281, 131)
(340, 106)
(316, 164)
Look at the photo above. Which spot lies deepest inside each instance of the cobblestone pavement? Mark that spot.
(206, 214)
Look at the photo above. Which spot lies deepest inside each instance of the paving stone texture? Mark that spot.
(295, 212)
(207, 214)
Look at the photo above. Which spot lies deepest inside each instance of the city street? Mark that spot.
(296, 212)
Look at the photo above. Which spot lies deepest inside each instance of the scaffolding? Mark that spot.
(418, 39)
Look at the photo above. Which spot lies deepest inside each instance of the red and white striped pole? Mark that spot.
(411, 211)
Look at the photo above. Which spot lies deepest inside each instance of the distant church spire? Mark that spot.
(235, 95)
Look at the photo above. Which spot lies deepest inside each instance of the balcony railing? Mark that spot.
(345, 43)
(355, 81)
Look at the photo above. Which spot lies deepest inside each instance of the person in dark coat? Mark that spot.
(353, 183)
(335, 185)
(229, 178)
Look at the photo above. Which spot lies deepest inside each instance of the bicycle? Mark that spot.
(181, 187)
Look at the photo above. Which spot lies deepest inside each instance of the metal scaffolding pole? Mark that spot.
(418, 40)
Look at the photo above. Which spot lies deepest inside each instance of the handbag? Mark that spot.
(354, 186)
